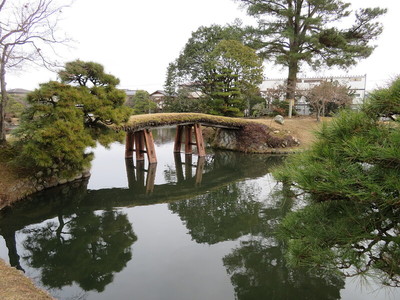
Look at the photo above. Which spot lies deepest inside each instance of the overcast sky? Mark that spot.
(136, 40)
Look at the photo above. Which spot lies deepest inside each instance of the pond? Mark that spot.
(186, 228)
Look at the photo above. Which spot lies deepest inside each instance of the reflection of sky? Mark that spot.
(3, 249)
(106, 167)
(166, 254)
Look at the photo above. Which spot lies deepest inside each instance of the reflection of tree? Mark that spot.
(86, 247)
(229, 212)
(356, 238)
(162, 136)
(257, 267)
(258, 271)
(223, 214)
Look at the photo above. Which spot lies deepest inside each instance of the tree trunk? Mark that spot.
(4, 98)
(318, 112)
(291, 85)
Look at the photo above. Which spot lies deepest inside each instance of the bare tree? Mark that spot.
(327, 92)
(28, 31)
(272, 94)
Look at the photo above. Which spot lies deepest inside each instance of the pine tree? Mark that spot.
(296, 32)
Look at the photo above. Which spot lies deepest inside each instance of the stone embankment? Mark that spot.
(26, 186)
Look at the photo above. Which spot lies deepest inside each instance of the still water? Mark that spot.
(186, 228)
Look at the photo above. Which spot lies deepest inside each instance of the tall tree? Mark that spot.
(142, 103)
(293, 32)
(216, 61)
(233, 71)
(27, 29)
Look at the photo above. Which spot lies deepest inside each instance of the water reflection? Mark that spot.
(75, 235)
(86, 248)
(258, 271)
(71, 243)
(141, 179)
(257, 267)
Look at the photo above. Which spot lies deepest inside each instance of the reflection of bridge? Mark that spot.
(226, 168)
(136, 174)
(139, 138)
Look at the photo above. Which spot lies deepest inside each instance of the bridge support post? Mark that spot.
(138, 141)
(129, 144)
(188, 139)
(139, 145)
(150, 149)
(198, 133)
(178, 138)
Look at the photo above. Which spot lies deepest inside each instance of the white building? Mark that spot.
(356, 85)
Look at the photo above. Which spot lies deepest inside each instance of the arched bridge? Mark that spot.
(139, 138)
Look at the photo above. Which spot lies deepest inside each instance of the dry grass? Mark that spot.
(302, 128)
(14, 285)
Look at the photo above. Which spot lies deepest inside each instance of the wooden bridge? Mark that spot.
(139, 138)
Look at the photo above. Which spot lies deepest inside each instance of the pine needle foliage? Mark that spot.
(52, 136)
(355, 158)
(351, 175)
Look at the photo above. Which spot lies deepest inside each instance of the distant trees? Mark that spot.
(27, 29)
(327, 94)
(142, 103)
(293, 32)
(234, 71)
(216, 62)
(186, 99)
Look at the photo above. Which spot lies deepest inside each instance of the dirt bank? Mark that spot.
(14, 285)
(302, 128)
